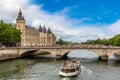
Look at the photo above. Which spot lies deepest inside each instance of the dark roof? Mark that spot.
(40, 28)
(49, 31)
(20, 17)
(44, 29)
(30, 27)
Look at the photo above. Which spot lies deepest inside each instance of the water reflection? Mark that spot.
(9, 68)
(114, 62)
(45, 56)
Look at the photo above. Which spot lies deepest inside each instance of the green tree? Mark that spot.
(8, 33)
(61, 42)
(115, 41)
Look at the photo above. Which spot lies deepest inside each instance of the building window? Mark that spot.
(19, 26)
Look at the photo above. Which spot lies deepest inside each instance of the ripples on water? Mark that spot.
(47, 69)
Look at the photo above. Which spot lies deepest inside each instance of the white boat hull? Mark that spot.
(69, 74)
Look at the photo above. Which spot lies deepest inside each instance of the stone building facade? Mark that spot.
(34, 37)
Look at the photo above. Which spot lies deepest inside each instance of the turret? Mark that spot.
(20, 17)
(40, 28)
(49, 31)
(20, 24)
(44, 29)
(20, 20)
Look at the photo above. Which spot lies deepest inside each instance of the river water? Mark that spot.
(47, 68)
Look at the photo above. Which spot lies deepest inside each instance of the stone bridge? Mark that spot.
(58, 52)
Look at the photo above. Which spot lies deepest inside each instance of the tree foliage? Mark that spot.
(8, 33)
(62, 42)
(115, 41)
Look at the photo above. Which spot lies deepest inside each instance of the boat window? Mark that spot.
(72, 70)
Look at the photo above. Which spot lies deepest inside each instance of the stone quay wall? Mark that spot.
(8, 54)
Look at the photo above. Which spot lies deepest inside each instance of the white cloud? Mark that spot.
(63, 26)
(115, 27)
(8, 9)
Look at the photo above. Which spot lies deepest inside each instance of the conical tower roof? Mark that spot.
(49, 31)
(44, 29)
(40, 28)
(20, 17)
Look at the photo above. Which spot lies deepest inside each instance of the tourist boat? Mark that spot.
(70, 68)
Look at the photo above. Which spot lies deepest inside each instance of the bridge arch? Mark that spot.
(28, 53)
(114, 56)
(24, 53)
(81, 52)
(40, 53)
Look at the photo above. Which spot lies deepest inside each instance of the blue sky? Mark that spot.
(95, 11)
(71, 20)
